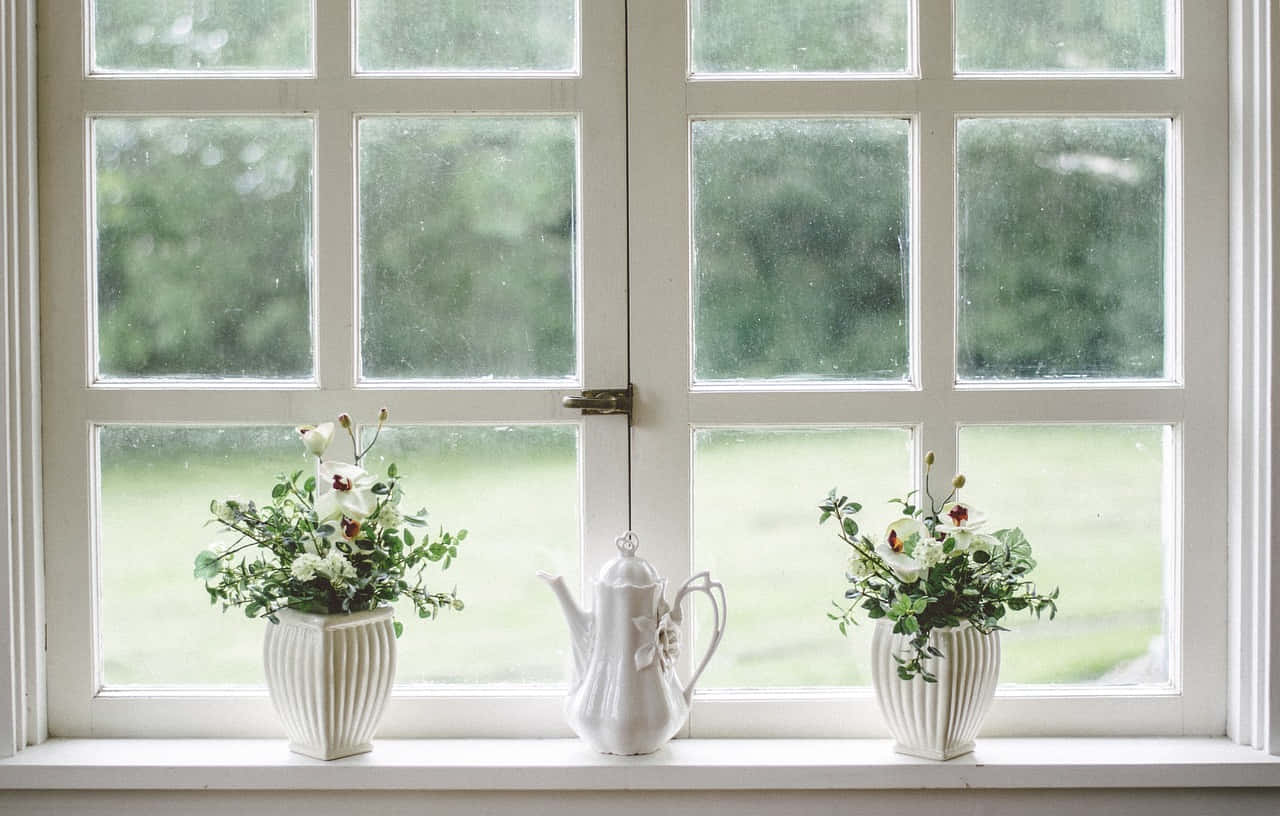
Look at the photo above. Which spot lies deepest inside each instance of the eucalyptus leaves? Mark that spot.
(330, 543)
(935, 567)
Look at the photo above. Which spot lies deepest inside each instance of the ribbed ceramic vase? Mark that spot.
(936, 720)
(330, 677)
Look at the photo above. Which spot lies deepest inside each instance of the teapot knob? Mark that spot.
(627, 543)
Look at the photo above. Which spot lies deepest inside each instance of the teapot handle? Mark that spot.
(702, 583)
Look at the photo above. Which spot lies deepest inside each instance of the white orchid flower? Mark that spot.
(316, 437)
(906, 568)
(960, 517)
(344, 490)
(904, 534)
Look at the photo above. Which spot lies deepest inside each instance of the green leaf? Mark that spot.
(408, 538)
(206, 564)
(279, 490)
(397, 625)
(392, 471)
(309, 485)
(850, 526)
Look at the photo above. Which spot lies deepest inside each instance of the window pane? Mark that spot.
(1092, 502)
(204, 247)
(1049, 35)
(157, 482)
(801, 249)
(755, 494)
(196, 35)
(801, 36)
(1061, 226)
(515, 490)
(465, 35)
(467, 256)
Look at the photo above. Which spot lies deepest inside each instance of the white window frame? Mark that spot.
(665, 98)
(334, 96)
(1253, 678)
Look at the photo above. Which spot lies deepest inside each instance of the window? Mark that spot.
(819, 237)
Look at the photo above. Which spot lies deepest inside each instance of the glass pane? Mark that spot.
(1091, 500)
(801, 249)
(157, 482)
(467, 256)
(1062, 226)
(1081, 36)
(515, 490)
(465, 35)
(196, 35)
(204, 247)
(755, 521)
(801, 36)
(157, 625)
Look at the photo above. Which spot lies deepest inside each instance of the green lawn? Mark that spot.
(1088, 498)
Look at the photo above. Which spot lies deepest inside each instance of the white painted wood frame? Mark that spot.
(22, 703)
(334, 98)
(664, 98)
(1254, 649)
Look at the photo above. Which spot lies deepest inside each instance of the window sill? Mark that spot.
(525, 765)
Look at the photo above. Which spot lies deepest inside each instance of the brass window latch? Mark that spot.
(597, 401)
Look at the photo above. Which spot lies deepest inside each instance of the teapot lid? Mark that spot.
(628, 569)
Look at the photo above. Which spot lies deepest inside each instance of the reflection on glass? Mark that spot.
(801, 249)
(200, 36)
(465, 35)
(203, 246)
(1082, 36)
(755, 515)
(514, 488)
(1091, 500)
(801, 36)
(157, 481)
(1061, 225)
(467, 256)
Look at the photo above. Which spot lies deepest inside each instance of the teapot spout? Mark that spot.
(578, 620)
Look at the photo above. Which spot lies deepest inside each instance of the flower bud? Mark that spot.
(383, 414)
(345, 421)
(958, 481)
(928, 458)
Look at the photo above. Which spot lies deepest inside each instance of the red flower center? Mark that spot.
(959, 514)
(350, 527)
(895, 543)
(341, 482)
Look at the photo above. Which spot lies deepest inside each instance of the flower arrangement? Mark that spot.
(333, 542)
(935, 567)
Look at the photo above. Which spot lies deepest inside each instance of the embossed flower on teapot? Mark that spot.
(625, 696)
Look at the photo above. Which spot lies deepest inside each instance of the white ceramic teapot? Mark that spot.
(625, 697)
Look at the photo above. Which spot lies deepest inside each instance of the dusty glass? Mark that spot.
(466, 36)
(157, 626)
(514, 488)
(1062, 232)
(801, 36)
(1082, 36)
(243, 36)
(801, 249)
(467, 247)
(203, 246)
(755, 527)
(1093, 502)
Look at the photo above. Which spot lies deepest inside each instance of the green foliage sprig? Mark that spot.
(329, 543)
(934, 568)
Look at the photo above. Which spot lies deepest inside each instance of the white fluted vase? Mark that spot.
(936, 720)
(330, 677)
